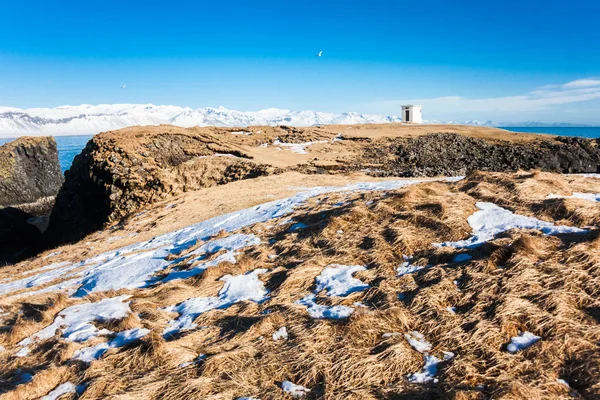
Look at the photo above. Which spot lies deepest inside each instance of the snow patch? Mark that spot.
(89, 354)
(576, 195)
(338, 281)
(430, 367)
(296, 391)
(491, 220)
(236, 288)
(76, 321)
(319, 311)
(417, 341)
(65, 388)
(298, 148)
(521, 342)
(280, 334)
(407, 268)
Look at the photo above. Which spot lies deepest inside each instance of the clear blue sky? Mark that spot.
(462, 59)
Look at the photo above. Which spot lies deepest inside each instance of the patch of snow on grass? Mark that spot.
(23, 352)
(318, 311)
(585, 196)
(407, 268)
(237, 288)
(521, 342)
(417, 341)
(280, 334)
(338, 281)
(196, 361)
(65, 388)
(76, 321)
(133, 266)
(230, 244)
(298, 148)
(491, 220)
(89, 354)
(427, 374)
(296, 391)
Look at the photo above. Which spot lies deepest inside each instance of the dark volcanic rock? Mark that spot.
(18, 238)
(451, 154)
(29, 171)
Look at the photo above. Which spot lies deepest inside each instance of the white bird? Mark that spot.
(320, 54)
(123, 87)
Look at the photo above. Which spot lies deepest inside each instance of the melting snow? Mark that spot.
(417, 341)
(338, 281)
(296, 391)
(427, 374)
(492, 220)
(298, 148)
(585, 196)
(407, 268)
(134, 266)
(89, 354)
(75, 321)
(523, 341)
(563, 382)
(23, 352)
(318, 311)
(230, 244)
(281, 333)
(65, 388)
(196, 361)
(237, 288)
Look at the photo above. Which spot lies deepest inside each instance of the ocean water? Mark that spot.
(68, 148)
(586, 132)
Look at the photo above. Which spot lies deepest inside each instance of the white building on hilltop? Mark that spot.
(411, 114)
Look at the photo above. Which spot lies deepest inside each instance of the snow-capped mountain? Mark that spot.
(89, 119)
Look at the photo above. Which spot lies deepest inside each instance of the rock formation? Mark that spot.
(29, 171)
(30, 177)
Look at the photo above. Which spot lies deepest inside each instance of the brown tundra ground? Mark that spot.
(417, 321)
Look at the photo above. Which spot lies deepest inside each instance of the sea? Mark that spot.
(70, 146)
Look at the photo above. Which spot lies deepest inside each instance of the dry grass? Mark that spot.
(521, 281)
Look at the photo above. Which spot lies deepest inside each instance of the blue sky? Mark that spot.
(506, 61)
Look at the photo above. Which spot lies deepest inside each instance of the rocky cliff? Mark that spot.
(30, 177)
(115, 176)
(29, 171)
(121, 172)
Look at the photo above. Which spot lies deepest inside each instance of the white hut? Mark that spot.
(411, 114)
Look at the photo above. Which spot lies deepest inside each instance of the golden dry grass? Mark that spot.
(521, 281)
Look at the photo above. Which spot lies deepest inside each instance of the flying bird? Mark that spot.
(320, 54)
(123, 87)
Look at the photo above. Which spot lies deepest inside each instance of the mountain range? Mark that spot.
(92, 119)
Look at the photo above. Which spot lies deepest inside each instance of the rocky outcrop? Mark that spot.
(30, 177)
(29, 172)
(451, 154)
(115, 177)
